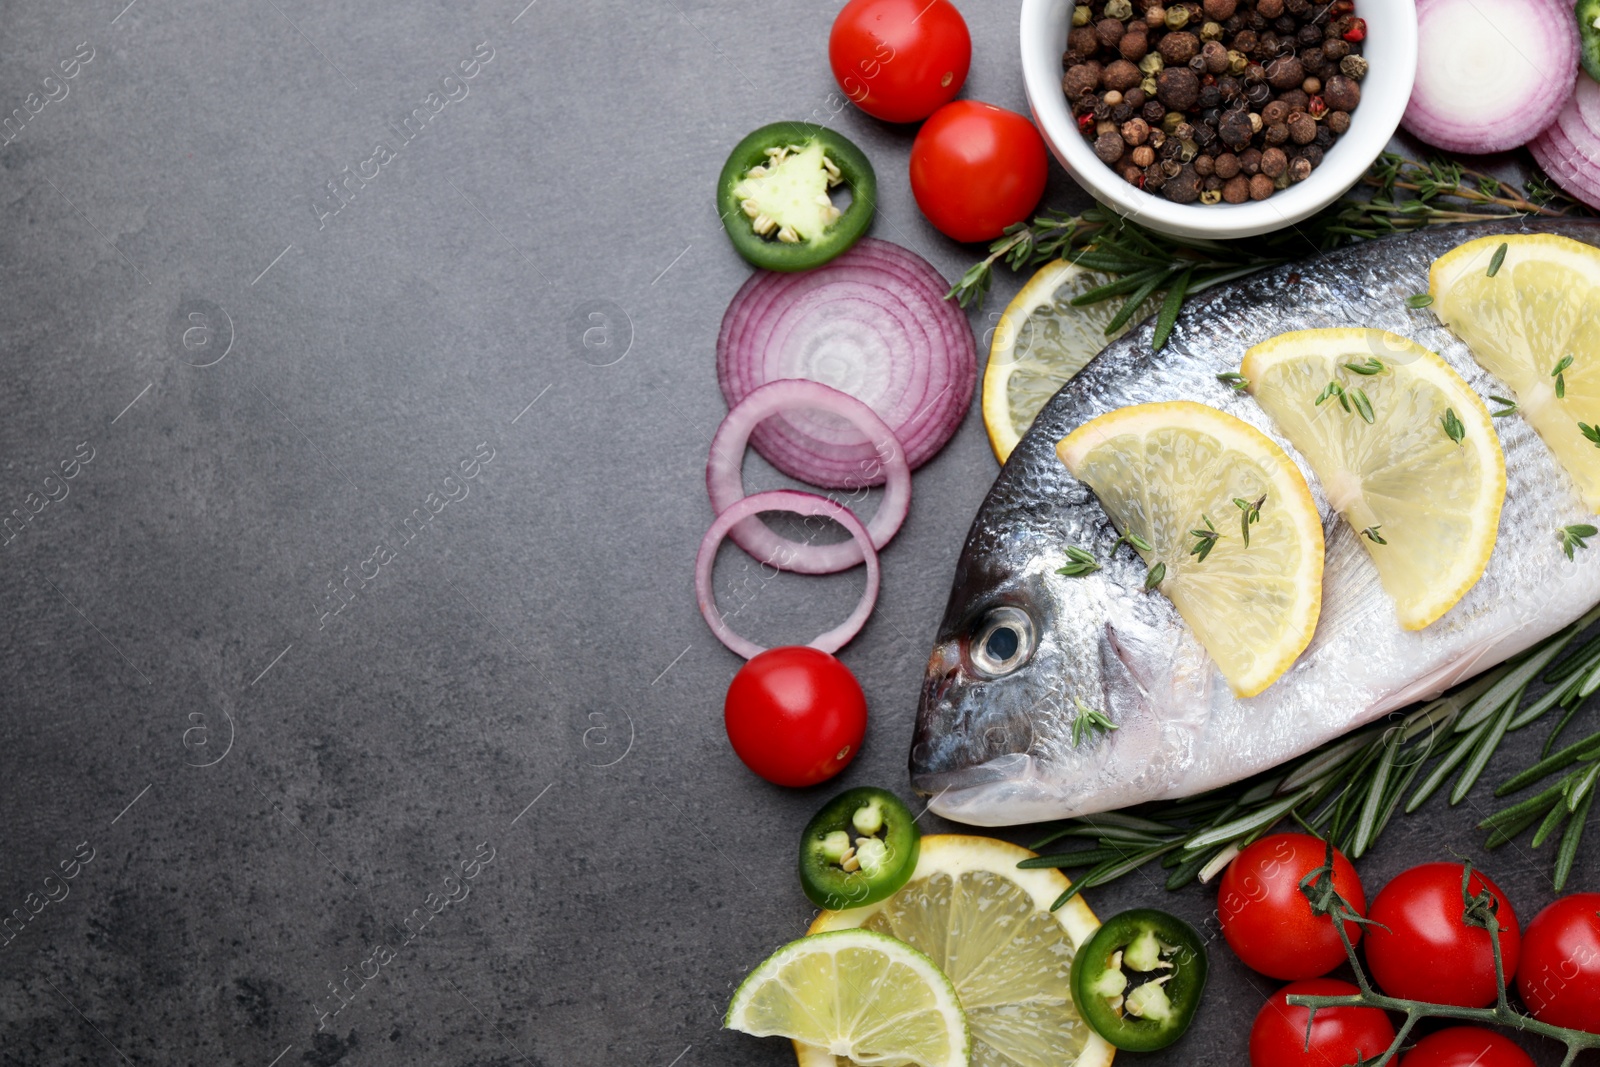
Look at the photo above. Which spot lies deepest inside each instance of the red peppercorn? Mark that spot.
(1086, 122)
(1317, 108)
(1357, 31)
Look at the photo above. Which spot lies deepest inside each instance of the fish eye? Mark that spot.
(1001, 642)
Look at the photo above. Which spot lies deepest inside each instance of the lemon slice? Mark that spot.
(990, 928)
(1162, 472)
(857, 993)
(1040, 342)
(1432, 506)
(1542, 305)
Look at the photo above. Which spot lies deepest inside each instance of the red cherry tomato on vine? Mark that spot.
(1338, 1036)
(1559, 977)
(1418, 947)
(899, 60)
(1466, 1046)
(1268, 921)
(795, 715)
(976, 169)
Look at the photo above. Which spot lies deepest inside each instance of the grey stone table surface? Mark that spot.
(355, 673)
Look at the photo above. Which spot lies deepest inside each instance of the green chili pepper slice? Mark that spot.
(774, 196)
(1588, 12)
(860, 848)
(1138, 980)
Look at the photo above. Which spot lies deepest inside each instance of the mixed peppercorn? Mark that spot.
(1220, 100)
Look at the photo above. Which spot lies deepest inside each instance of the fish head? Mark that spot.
(1024, 651)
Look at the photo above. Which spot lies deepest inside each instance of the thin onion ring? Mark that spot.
(800, 504)
(724, 480)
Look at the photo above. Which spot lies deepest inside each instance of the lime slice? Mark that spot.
(859, 994)
(989, 926)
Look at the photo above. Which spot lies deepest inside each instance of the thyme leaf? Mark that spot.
(1079, 562)
(1453, 428)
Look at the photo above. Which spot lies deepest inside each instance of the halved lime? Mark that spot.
(859, 994)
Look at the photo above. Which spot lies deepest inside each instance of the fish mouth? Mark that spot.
(961, 740)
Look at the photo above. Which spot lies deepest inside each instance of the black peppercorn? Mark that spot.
(1308, 36)
(1234, 128)
(1108, 146)
(1210, 98)
(1341, 93)
(1324, 137)
(1230, 88)
(1154, 111)
(1335, 50)
(1277, 133)
(1122, 113)
(1178, 88)
(1183, 187)
(1285, 73)
(1313, 153)
(1286, 26)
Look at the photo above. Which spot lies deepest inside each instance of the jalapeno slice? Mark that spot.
(1138, 980)
(860, 848)
(775, 201)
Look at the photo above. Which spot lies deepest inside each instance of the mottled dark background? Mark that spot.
(268, 390)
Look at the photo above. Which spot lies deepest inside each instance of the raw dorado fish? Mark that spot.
(1020, 645)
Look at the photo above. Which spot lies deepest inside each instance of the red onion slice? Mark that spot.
(872, 323)
(1555, 155)
(800, 504)
(725, 467)
(1491, 74)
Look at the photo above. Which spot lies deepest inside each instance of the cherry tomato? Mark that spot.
(1268, 921)
(1466, 1046)
(1419, 948)
(1559, 977)
(976, 169)
(795, 715)
(899, 60)
(1338, 1036)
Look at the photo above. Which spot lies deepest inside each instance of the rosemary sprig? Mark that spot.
(1573, 536)
(1351, 788)
(1453, 428)
(1507, 407)
(1205, 540)
(1249, 513)
(1399, 195)
(1089, 721)
(1478, 910)
(1237, 382)
(1559, 374)
(1080, 561)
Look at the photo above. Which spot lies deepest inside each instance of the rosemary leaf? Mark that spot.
(1573, 753)
(1125, 284)
(1463, 747)
(1569, 841)
(1420, 300)
(1135, 302)
(1258, 820)
(1582, 786)
(1169, 310)
(1372, 807)
(1552, 822)
(1514, 680)
(1480, 755)
(1534, 805)
(1585, 657)
(1498, 258)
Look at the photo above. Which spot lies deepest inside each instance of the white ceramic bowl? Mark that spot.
(1391, 48)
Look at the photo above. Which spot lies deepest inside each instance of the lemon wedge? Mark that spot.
(1541, 306)
(1040, 341)
(856, 993)
(1182, 477)
(1427, 507)
(989, 927)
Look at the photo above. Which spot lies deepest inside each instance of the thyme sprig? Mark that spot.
(1089, 721)
(1349, 789)
(1399, 195)
(1478, 910)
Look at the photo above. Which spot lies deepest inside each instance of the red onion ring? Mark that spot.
(872, 323)
(725, 484)
(1463, 104)
(1555, 154)
(800, 504)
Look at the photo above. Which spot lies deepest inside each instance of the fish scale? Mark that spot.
(996, 748)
